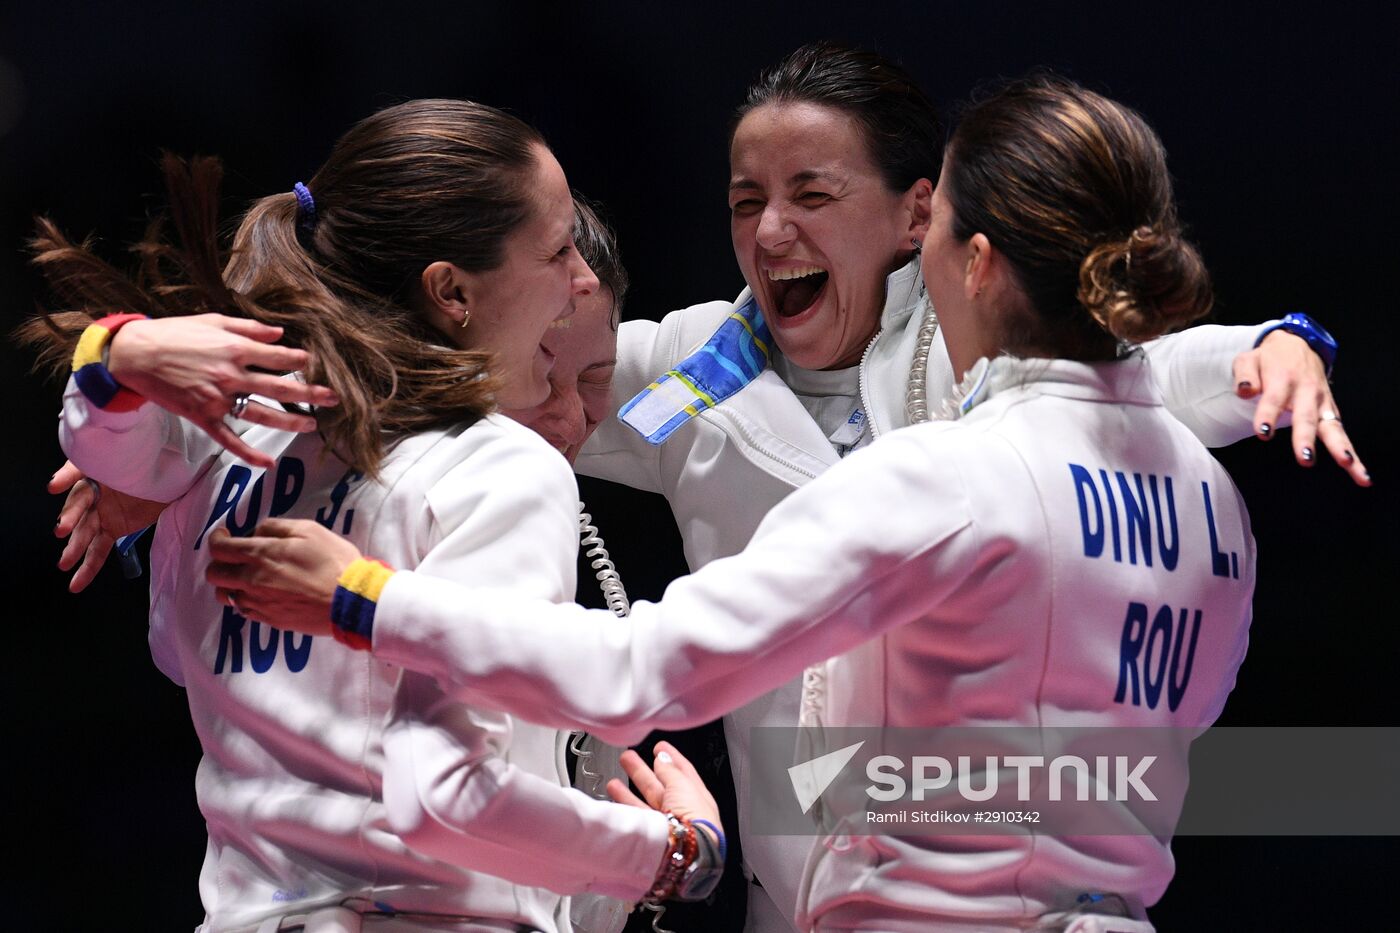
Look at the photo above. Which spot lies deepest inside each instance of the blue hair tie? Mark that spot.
(306, 207)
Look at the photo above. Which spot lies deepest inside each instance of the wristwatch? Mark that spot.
(1300, 325)
(703, 874)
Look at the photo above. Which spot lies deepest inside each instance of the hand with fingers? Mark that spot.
(284, 574)
(92, 519)
(673, 787)
(204, 367)
(1286, 375)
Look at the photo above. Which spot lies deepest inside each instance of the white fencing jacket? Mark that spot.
(994, 597)
(723, 471)
(326, 772)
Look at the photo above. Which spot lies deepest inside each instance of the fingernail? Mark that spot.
(1245, 385)
(1349, 455)
(1307, 455)
(1367, 474)
(663, 758)
(1265, 429)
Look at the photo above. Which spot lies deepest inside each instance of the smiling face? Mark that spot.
(513, 305)
(816, 229)
(580, 384)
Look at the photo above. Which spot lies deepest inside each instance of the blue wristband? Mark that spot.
(719, 834)
(1300, 325)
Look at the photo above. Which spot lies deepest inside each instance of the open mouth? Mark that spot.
(796, 290)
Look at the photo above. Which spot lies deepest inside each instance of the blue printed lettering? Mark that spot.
(291, 476)
(234, 484)
(338, 494)
(233, 627)
(1154, 668)
(1112, 516)
(1134, 628)
(1097, 523)
(296, 655)
(250, 516)
(1176, 689)
(262, 650)
(1219, 561)
(1168, 554)
(261, 655)
(1146, 653)
(1135, 514)
(1083, 488)
(230, 642)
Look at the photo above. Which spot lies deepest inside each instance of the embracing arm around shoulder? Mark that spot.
(1228, 383)
(723, 635)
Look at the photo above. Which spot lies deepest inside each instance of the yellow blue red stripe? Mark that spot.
(90, 374)
(356, 597)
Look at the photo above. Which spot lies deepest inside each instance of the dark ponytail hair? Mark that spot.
(423, 181)
(1073, 189)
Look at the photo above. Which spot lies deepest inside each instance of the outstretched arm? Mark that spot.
(1217, 382)
(718, 638)
(198, 367)
(1289, 379)
(195, 370)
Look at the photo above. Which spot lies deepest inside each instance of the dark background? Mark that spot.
(1282, 134)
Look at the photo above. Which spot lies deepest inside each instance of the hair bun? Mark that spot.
(1146, 285)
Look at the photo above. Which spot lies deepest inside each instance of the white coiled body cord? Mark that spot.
(603, 569)
(595, 913)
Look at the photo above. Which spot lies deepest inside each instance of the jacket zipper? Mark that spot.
(755, 445)
(865, 384)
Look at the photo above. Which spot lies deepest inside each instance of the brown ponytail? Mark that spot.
(1073, 189)
(419, 182)
(1146, 285)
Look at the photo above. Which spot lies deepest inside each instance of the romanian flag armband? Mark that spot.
(356, 597)
(90, 372)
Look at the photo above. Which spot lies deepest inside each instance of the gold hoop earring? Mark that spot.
(466, 316)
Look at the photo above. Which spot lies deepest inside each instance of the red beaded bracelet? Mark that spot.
(681, 851)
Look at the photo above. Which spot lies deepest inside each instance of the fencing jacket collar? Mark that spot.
(1127, 380)
(735, 355)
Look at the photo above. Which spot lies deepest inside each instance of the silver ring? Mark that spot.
(240, 404)
(96, 491)
(1328, 414)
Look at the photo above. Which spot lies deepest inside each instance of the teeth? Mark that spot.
(778, 275)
